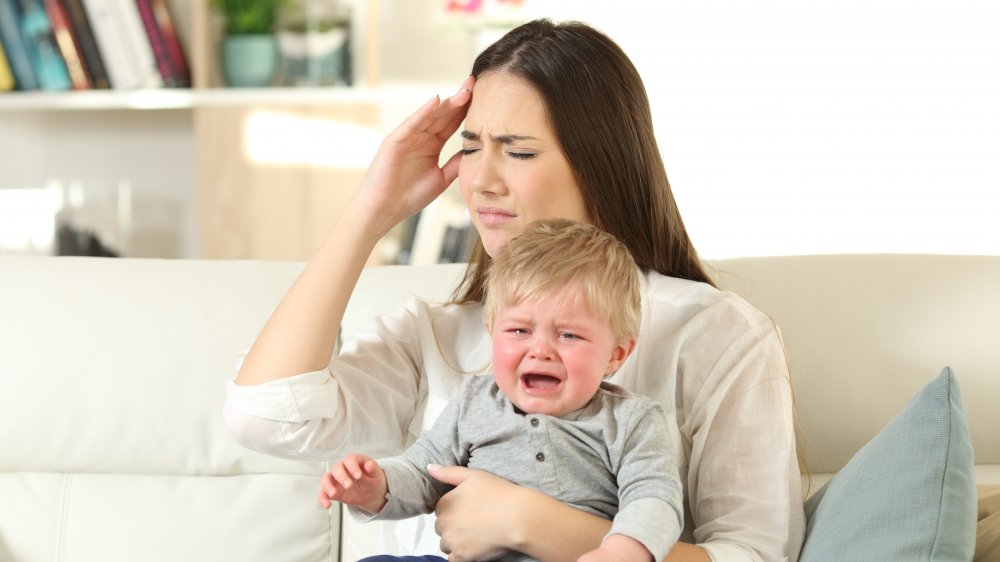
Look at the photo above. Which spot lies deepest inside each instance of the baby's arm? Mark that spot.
(618, 548)
(650, 494)
(355, 480)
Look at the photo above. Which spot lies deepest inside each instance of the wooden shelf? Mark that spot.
(174, 99)
(96, 100)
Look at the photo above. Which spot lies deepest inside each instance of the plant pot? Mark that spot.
(249, 61)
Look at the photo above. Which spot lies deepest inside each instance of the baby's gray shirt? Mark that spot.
(616, 458)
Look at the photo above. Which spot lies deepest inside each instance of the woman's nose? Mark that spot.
(486, 176)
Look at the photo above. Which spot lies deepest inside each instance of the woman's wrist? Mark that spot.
(368, 224)
(517, 532)
(547, 529)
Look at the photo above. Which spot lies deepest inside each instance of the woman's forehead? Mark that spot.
(504, 104)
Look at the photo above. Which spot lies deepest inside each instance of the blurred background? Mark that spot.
(786, 127)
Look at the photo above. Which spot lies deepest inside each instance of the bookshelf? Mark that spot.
(186, 149)
(203, 171)
(199, 31)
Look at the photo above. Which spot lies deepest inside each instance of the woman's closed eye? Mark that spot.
(512, 154)
(521, 155)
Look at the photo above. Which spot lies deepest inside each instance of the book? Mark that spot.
(138, 43)
(159, 30)
(123, 72)
(6, 77)
(65, 40)
(36, 32)
(84, 34)
(17, 54)
(174, 50)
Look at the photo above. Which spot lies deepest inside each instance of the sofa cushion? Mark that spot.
(909, 494)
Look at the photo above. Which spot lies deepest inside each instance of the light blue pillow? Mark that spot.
(909, 494)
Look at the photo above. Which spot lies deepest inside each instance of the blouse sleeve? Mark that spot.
(743, 478)
(362, 402)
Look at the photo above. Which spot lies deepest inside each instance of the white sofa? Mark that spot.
(112, 445)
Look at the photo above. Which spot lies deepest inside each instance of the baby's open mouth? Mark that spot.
(535, 381)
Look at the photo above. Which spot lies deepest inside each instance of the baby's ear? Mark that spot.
(618, 355)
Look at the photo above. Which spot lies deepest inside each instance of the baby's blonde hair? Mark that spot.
(551, 255)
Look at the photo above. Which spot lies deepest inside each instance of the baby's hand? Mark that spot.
(618, 548)
(355, 480)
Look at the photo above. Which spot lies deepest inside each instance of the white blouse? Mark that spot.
(708, 356)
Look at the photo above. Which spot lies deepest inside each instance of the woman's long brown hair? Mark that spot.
(597, 106)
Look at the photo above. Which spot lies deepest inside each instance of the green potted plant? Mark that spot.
(249, 48)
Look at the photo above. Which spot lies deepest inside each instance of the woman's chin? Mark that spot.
(493, 241)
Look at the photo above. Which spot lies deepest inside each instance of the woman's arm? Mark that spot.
(743, 432)
(403, 178)
(485, 516)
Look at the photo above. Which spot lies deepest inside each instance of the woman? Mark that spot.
(558, 127)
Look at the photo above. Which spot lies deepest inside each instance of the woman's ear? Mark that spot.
(618, 356)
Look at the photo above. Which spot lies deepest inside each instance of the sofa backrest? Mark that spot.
(112, 444)
(864, 333)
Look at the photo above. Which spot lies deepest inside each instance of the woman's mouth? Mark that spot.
(491, 216)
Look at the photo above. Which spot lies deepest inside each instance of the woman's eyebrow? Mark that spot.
(503, 139)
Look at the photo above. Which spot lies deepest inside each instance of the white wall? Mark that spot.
(816, 127)
(805, 127)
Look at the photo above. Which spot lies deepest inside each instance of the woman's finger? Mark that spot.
(419, 120)
(468, 83)
(453, 475)
(450, 168)
(463, 100)
(451, 113)
(450, 110)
